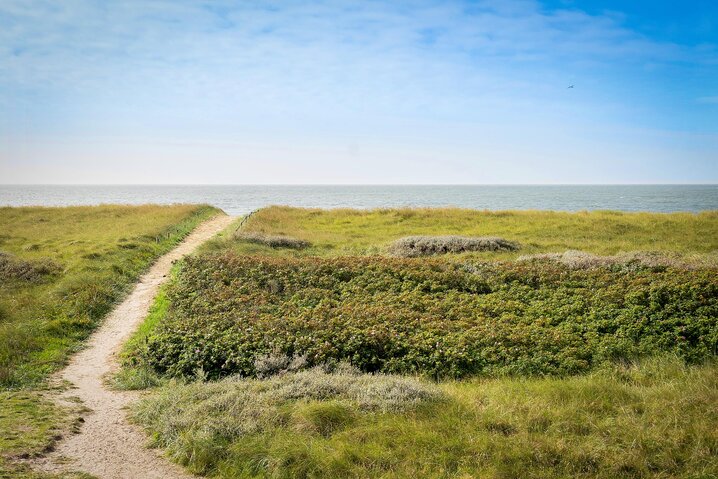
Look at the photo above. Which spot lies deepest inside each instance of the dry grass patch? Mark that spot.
(635, 259)
(654, 419)
(413, 246)
(273, 241)
(14, 268)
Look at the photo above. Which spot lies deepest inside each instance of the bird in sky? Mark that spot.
(570, 86)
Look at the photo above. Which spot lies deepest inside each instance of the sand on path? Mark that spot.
(107, 446)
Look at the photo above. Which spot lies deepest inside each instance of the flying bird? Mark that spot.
(570, 86)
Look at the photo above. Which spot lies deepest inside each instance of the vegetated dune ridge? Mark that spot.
(591, 363)
(107, 446)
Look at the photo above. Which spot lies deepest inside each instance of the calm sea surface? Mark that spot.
(241, 199)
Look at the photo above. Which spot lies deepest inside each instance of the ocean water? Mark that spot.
(241, 199)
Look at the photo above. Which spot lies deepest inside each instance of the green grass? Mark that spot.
(350, 232)
(629, 411)
(654, 419)
(96, 254)
(101, 251)
(136, 374)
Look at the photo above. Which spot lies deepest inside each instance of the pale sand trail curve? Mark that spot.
(107, 446)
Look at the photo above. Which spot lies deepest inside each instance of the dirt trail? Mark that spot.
(107, 446)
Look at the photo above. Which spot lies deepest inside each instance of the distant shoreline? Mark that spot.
(241, 199)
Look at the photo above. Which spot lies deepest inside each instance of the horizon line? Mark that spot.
(358, 184)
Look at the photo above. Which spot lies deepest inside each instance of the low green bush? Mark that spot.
(426, 316)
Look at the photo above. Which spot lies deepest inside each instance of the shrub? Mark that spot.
(413, 246)
(427, 316)
(631, 260)
(273, 241)
(277, 363)
(12, 267)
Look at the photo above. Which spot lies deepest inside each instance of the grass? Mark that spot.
(645, 415)
(61, 271)
(99, 253)
(361, 232)
(653, 419)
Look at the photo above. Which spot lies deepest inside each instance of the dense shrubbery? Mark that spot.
(413, 246)
(428, 316)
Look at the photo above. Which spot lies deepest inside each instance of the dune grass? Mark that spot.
(61, 271)
(352, 232)
(652, 419)
(643, 415)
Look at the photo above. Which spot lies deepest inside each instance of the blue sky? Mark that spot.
(358, 92)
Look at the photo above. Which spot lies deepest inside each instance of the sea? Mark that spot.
(242, 199)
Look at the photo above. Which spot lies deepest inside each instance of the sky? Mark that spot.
(364, 92)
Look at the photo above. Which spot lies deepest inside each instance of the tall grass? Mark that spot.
(346, 231)
(94, 255)
(61, 271)
(652, 419)
(656, 417)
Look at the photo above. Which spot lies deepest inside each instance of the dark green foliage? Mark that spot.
(429, 317)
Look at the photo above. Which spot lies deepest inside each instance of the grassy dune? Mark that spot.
(61, 271)
(581, 366)
(653, 419)
(346, 232)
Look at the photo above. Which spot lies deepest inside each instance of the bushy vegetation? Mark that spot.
(654, 419)
(273, 241)
(426, 316)
(12, 268)
(413, 246)
(61, 271)
(593, 364)
(633, 259)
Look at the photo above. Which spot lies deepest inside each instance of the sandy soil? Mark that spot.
(107, 446)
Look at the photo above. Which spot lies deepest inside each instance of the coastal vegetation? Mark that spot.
(61, 271)
(588, 352)
(655, 418)
(341, 232)
(429, 317)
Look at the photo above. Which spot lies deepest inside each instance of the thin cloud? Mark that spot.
(333, 72)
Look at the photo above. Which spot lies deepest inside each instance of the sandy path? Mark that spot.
(107, 446)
